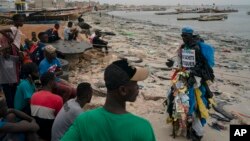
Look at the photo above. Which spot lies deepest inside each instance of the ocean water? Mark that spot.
(237, 24)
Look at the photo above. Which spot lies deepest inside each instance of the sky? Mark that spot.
(175, 2)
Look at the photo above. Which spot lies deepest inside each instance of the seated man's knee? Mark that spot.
(11, 117)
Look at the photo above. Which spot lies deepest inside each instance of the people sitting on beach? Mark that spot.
(28, 48)
(26, 87)
(70, 110)
(38, 54)
(29, 45)
(99, 43)
(70, 33)
(33, 37)
(92, 37)
(85, 28)
(53, 33)
(113, 122)
(45, 105)
(16, 125)
(52, 64)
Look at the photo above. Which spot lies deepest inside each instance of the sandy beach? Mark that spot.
(150, 45)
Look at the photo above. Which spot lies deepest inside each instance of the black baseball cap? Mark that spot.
(120, 72)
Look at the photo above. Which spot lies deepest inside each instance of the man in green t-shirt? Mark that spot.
(113, 122)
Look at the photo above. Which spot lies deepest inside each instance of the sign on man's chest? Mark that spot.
(188, 58)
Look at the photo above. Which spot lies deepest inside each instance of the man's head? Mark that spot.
(80, 20)
(121, 80)
(70, 24)
(84, 92)
(57, 26)
(98, 33)
(50, 52)
(48, 80)
(33, 34)
(18, 20)
(29, 70)
(27, 41)
(187, 35)
(43, 37)
(3, 106)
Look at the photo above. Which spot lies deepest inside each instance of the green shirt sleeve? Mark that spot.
(73, 134)
(145, 132)
(151, 135)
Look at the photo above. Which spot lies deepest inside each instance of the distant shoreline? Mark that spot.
(175, 29)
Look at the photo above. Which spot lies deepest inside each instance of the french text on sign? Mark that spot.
(188, 58)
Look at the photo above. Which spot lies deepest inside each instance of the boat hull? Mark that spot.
(63, 17)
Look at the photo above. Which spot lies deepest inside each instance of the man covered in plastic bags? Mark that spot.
(190, 97)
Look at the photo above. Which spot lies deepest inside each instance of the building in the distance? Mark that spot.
(60, 4)
(49, 4)
(21, 5)
(7, 4)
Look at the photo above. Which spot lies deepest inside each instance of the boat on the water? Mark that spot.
(213, 17)
(166, 13)
(191, 18)
(206, 17)
(224, 10)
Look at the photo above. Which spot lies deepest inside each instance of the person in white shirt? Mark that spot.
(14, 33)
(70, 33)
(70, 110)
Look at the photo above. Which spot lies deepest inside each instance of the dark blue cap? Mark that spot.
(187, 30)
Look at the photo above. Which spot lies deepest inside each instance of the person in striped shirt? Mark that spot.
(45, 105)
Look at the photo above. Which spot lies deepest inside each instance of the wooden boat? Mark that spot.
(191, 18)
(48, 14)
(206, 17)
(53, 16)
(166, 13)
(211, 18)
(206, 10)
(224, 11)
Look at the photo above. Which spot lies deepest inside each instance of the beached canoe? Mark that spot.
(166, 13)
(53, 16)
(205, 18)
(213, 17)
(224, 10)
(192, 18)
